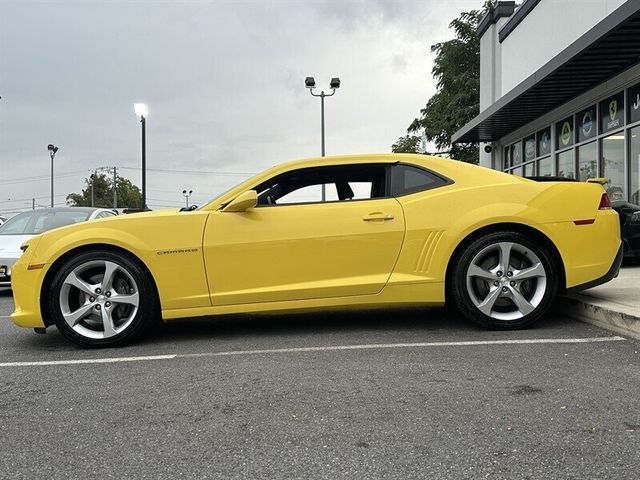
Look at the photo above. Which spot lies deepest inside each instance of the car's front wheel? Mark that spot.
(101, 299)
(504, 280)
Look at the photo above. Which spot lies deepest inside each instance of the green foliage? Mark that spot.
(457, 100)
(407, 144)
(128, 194)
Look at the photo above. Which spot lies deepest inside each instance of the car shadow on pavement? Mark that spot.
(404, 325)
(418, 319)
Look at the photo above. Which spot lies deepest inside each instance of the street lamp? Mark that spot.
(187, 195)
(142, 111)
(52, 153)
(334, 84)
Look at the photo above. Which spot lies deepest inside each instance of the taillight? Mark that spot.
(605, 203)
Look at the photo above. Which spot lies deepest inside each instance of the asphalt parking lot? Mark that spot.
(397, 394)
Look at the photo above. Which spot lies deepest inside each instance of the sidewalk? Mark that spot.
(614, 305)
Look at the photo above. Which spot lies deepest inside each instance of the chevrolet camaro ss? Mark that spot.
(337, 232)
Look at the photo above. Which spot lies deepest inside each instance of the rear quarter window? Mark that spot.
(406, 179)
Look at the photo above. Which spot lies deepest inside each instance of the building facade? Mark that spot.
(560, 91)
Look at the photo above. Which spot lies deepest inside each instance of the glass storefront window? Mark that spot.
(529, 169)
(586, 124)
(566, 164)
(634, 170)
(613, 165)
(516, 153)
(529, 148)
(588, 161)
(507, 158)
(634, 103)
(544, 142)
(544, 167)
(564, 133)
(612, 113)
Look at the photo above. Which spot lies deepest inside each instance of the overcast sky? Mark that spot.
(224, 82)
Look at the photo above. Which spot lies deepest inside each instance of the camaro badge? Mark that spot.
(177, 250)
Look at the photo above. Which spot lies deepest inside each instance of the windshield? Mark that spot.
(32, 223)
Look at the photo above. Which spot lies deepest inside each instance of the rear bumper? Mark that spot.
(610, 275)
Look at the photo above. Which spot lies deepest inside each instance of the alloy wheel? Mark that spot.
(99, 299)
(506, 281)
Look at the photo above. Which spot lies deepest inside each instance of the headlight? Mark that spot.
(635, 217)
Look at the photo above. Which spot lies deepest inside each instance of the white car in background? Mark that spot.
(20, 228)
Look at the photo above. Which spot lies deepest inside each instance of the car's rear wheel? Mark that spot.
(504, 280)
(102, 299)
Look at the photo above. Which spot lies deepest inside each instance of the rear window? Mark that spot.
(408, 179)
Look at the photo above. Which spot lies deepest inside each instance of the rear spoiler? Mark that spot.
(600, 180)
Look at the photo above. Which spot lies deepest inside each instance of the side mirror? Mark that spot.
(242, 202)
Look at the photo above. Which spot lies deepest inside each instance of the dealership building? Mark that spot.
(560, 91)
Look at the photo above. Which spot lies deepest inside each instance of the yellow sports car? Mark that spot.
(337, 232)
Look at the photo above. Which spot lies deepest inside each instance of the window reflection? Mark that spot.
(566, 164)
(634, 170)
(613, 165)
(588, 161)
(544, 167)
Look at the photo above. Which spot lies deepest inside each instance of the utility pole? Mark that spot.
(33, 204)
(93, 181)
(115, 192)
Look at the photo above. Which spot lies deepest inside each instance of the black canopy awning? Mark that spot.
(610, 47)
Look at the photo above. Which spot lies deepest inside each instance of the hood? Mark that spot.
(11, 243)
(119, 221)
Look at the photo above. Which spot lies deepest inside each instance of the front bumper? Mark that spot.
(27, 285)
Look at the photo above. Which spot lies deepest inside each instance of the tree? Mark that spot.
(407, 144)
(457, 99)
(128, 194)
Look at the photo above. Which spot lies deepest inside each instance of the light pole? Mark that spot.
(334, 84)
(187, 195)
(52, 153)
(142, 111)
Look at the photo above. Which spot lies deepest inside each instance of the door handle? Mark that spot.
(377, 217)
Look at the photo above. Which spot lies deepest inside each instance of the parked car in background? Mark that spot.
(17, 230)
(629, 227)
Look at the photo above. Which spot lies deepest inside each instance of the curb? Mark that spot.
(580, 308)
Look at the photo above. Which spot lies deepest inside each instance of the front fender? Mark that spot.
(170, 246)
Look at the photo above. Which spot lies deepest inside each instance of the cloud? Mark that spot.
(223, 80)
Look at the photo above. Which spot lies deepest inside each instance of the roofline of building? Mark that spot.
(522, 11)
(502, 9)
(618, 16)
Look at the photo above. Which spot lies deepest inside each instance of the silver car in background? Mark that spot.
(20, 228)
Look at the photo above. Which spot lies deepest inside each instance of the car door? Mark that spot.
(295, 246)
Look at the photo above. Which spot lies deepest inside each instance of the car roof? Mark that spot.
(465, 173)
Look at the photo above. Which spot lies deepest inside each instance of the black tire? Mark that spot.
(464, 286)
(133, 275)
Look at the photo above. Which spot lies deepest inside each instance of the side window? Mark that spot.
(341, 183)
(408, 179)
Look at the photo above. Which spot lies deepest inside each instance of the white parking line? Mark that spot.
(373, 346)
(88, 360)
